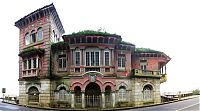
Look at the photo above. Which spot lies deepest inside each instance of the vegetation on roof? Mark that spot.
(58, 46)
(31, 51)
(146, 50)
(92, 33)
(128, 43)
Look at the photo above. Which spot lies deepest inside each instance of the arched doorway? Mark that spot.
(148, 93)
(33, 94)
(108, 96)
(93, 95)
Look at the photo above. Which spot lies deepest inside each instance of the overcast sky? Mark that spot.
(171, 26)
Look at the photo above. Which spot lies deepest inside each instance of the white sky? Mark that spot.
(171, 26)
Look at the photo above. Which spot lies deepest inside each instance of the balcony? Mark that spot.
(30, 73)
(146, 73)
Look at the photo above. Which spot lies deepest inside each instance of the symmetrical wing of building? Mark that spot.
(83, 69)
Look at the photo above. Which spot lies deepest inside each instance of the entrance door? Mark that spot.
(93, 95)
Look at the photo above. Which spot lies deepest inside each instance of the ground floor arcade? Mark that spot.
(89, 91)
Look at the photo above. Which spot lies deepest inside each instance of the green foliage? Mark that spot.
(121, 104)
(147, 50)
(31, 51)
(92, 33)
(128, 43)
(58, 46)
(196, 92)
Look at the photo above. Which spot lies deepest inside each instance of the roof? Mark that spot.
(92, 33)
(39, 13)
(146, 50)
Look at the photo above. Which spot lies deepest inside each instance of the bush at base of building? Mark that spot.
(60, 104)
(124, 104)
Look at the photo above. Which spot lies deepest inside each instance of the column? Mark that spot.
(72, 100)
(113, 99)
(83, 99)
(103, 99)
(165, 69)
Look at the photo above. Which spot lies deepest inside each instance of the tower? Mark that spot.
(38, 30)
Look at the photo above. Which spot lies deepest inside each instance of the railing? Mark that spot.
(30, 73)
(145, 72)
(93, 101)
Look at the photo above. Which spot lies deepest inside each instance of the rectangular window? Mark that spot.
(87, 59)
(29, 63)
(25, 64)
(34, 63)
(77, 56)
(121, 60)
(62, 61)
(143, 64)
(97, 58)
(92, 59)
(107, 59)
(143, 67)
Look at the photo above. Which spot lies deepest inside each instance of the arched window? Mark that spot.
(33, 94)
(62, 94)
(27, 39)
(122, 93)
(33, 36)
(147, 93)
(39, 34)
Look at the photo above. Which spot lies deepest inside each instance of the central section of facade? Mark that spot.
(88, 69)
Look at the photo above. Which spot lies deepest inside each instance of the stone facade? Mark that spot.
(83, 71)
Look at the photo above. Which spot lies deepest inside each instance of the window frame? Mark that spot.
(39, 31)
(109, 57)
(121, 61)
(90, 58)
(63, 60)
(77, 58)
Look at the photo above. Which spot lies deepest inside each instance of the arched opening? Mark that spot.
(33, 94)
(148, 93)
(77, 91)
(122, 93)
(108, 96)
(92, 95)
(62, 93)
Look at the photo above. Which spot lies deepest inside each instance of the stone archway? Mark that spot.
(93, 95)
(33, 94)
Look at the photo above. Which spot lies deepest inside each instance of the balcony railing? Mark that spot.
(30, 73)
(145, 73)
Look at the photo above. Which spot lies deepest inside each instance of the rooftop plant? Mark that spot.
(128, 43)
(146, 50)
(31, 51)
(92, 32)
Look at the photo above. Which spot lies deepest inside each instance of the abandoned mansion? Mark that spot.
(85, 69)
